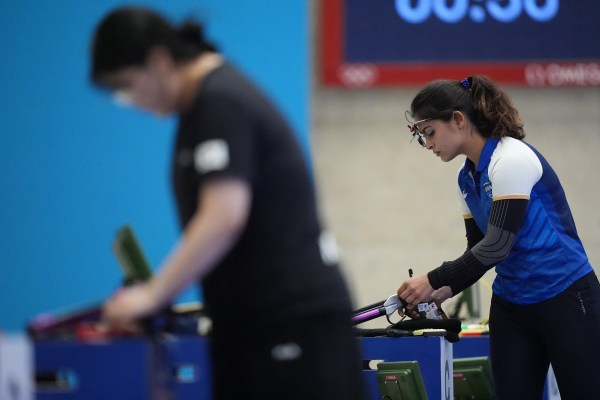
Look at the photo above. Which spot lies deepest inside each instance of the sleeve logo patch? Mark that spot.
(212, 155)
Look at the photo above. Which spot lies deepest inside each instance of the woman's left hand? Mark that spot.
(128, 306)
(415, 290)
(442, 294)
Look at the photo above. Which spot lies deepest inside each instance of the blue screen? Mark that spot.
(405, 31)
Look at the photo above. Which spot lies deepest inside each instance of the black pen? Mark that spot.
(410, 273)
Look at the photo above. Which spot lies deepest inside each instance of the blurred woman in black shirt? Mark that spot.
(280, 308)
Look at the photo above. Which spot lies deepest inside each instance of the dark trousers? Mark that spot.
(564, 331)
(316, 358)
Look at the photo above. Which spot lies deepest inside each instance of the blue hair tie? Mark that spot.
(466, 83)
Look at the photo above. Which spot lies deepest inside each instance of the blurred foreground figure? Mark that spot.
(250, 231)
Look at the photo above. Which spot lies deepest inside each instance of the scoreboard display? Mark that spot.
(368, 43)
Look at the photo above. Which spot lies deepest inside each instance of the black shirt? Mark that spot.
(276, 269)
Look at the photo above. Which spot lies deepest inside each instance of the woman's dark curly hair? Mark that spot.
(486, 105)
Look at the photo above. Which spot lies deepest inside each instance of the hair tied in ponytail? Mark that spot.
(190, 31)
(467, 83)
(193, 34)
